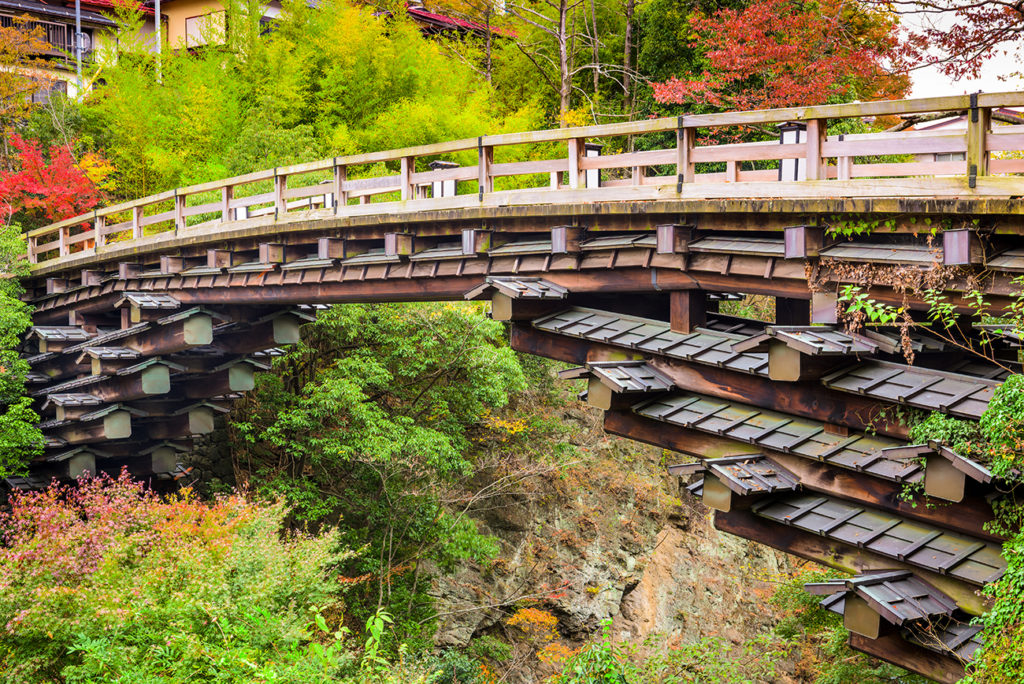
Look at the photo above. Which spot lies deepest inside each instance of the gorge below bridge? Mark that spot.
(151, 316)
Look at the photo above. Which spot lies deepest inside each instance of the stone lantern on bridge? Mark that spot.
(444, 188)
(792, 133)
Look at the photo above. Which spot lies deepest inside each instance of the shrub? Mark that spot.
(104, 581)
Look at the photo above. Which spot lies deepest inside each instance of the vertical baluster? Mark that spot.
(280, 185)
(136, 222)
(62, 240)
(485, 155)
(978, 123)
(684, 155)
(340, 196)
(408, 166)
(227, 193)
(575, 146)
(179, 211)
(815, 136)
(99, 230)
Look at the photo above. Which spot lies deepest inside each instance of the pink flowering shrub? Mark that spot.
(105, 581)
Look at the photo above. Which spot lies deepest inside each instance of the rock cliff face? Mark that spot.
(607, 537)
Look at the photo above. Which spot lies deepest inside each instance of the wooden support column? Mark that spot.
(55, 285)
(476, 241)
(802, 242)
(674, 239)
(566, 239)
(91, 277)
(687, 310)
(398, 244)
(815, 137)
(219, 258)
(792, 311)
(271, 253)
(171, 264)
(961, 247)
(823, 308)
(331, 248)
(127, 270)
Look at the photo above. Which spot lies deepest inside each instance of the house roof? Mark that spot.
(452, 23)
(37, 8)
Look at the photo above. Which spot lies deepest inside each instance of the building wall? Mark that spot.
(193, 22)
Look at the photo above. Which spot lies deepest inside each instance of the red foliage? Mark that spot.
(46, 192)
(960, 35)
(781, 53)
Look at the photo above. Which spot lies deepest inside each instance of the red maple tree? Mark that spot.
(785, 53)
(959, 36)
(42, 191)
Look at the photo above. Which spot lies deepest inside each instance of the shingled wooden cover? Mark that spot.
(644, 334)
(624, 377)
(781, 432)
(519, 288)
(747, 475)
(642, 240)
(920, 255)
(753, 246)
(957, 394)
(898, 596)
(889, 535)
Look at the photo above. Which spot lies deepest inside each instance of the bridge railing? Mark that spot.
(333, 187)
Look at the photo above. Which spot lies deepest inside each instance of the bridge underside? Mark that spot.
(135, 354)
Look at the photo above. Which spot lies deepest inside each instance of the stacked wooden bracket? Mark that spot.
(136, 396)
(785, 421)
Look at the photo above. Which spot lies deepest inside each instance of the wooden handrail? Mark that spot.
(975, 143)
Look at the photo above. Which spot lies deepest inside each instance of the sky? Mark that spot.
(931, 82)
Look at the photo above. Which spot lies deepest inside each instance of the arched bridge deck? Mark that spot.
(152, 315)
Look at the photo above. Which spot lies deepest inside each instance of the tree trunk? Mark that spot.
(564, 75)
(593, 38)
(627, 55)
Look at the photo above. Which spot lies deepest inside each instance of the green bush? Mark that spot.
(106, 582)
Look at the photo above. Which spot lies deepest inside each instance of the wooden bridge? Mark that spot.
(151, 316)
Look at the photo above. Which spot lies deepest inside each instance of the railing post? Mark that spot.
(408, 166)
(978, 123)
(227, 193)
(280, 183)
(62, 240)
(33, 258)
(684, 155)
(340, 196)
(99, 225)
(136, 223)
(815, 136)
(485, 154)
(575, 146)
(179, 211)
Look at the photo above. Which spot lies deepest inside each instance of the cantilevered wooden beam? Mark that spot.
(968, 517)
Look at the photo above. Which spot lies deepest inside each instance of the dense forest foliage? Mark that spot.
(361, 460)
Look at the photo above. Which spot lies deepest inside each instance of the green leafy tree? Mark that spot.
(19, 437)
(366, 421)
